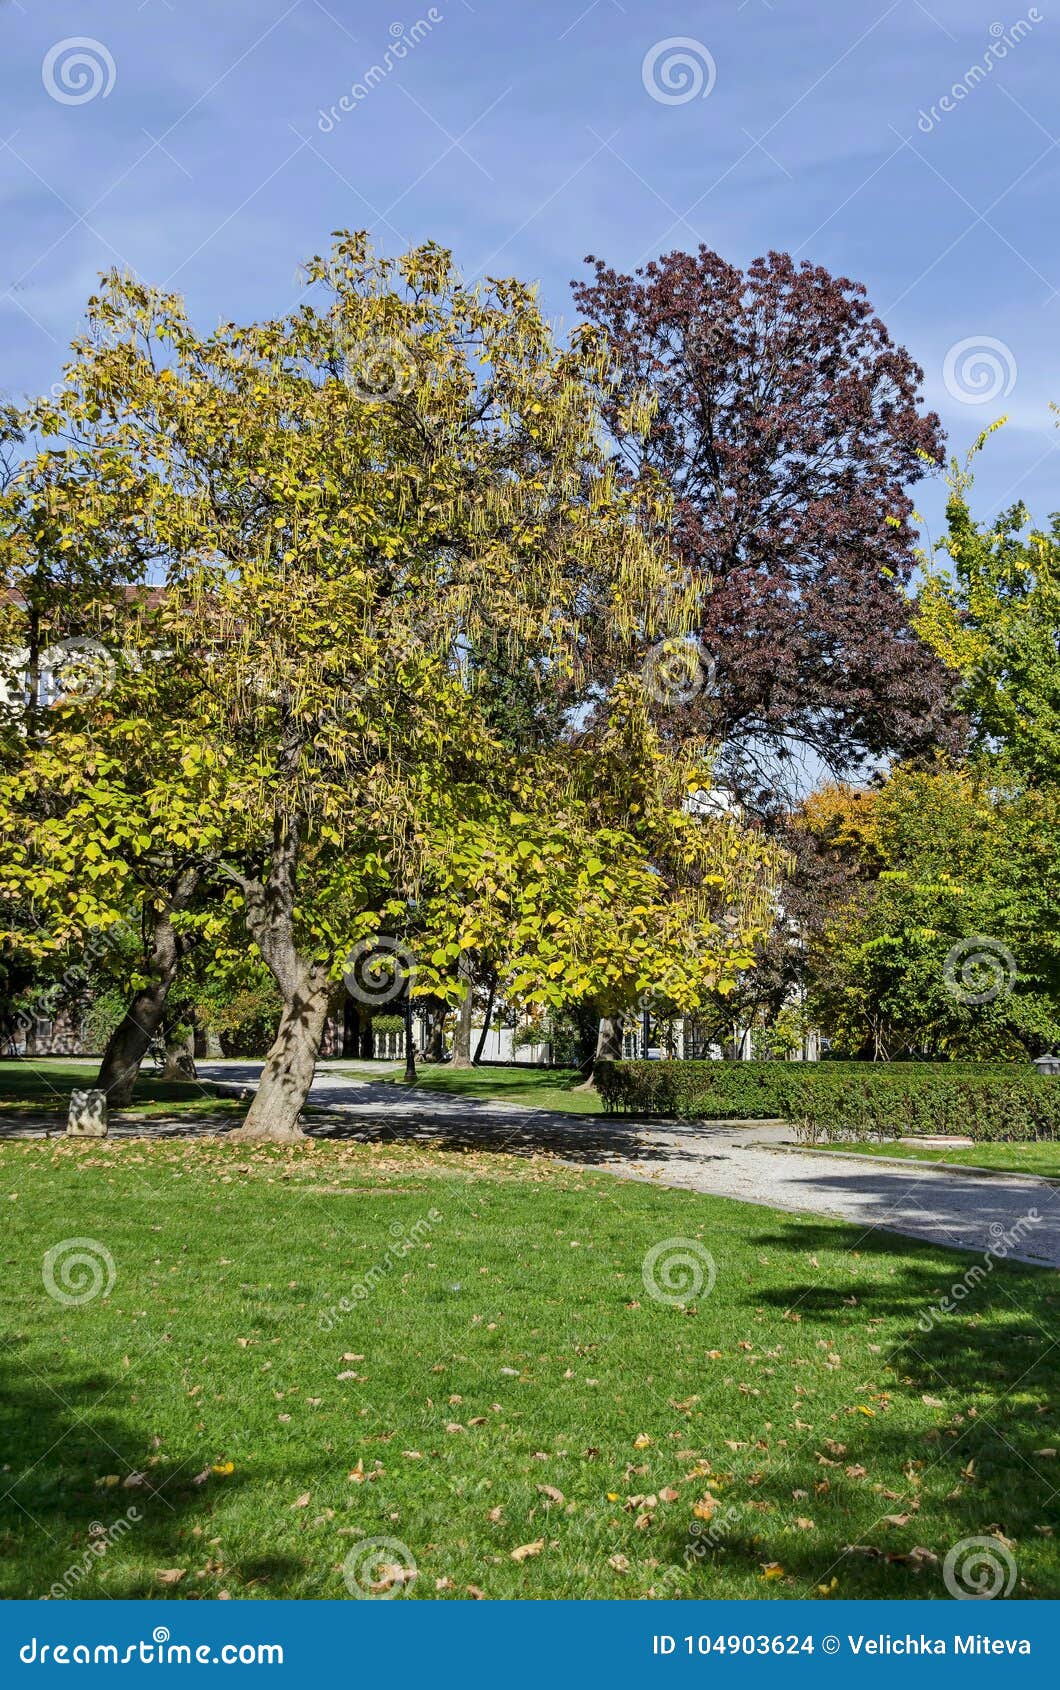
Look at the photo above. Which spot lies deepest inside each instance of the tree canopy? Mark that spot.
(353, 519)
(789, 430)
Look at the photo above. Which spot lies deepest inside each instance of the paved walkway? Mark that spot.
(726, 1159)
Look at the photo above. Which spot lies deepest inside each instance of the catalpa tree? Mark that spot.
(344, 506)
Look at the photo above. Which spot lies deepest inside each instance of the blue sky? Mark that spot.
(186, 142)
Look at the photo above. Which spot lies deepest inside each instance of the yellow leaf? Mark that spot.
(525, 1550)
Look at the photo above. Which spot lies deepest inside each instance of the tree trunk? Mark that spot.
(351, 1027)
(609, 1040)
(366, 1044)
(608, 1048)
(275, 1113)
(180, 1057)
(133, 1036)
(480, 1047)
(434, 1049)
(461, 1053)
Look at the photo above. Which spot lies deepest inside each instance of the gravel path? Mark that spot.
(726, 1159)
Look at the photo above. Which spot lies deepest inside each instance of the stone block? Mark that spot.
(87, 1117)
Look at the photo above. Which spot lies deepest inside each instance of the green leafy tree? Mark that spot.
(942, 940)
(347, 508)
(993, 614)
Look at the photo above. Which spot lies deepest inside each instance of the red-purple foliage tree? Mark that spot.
(789, 428)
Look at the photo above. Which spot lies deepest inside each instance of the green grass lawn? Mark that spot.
(42, 1085)
(538, 1088)
(502, 1398)
(1007, 1158)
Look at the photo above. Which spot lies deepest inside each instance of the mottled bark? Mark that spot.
(275, 1113)
(608, 1048)
(180, 1056)
(133, 1036)
(486, 1019)
(461, 1052)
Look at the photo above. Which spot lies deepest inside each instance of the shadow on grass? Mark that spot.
(70, 1525)
(982, 1384)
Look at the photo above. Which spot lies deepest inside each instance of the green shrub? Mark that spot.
(844, 1100)
(704, 1090)
(989, 1107)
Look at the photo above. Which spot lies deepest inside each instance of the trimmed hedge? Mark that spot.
(844, 1100)
(987, 1107)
